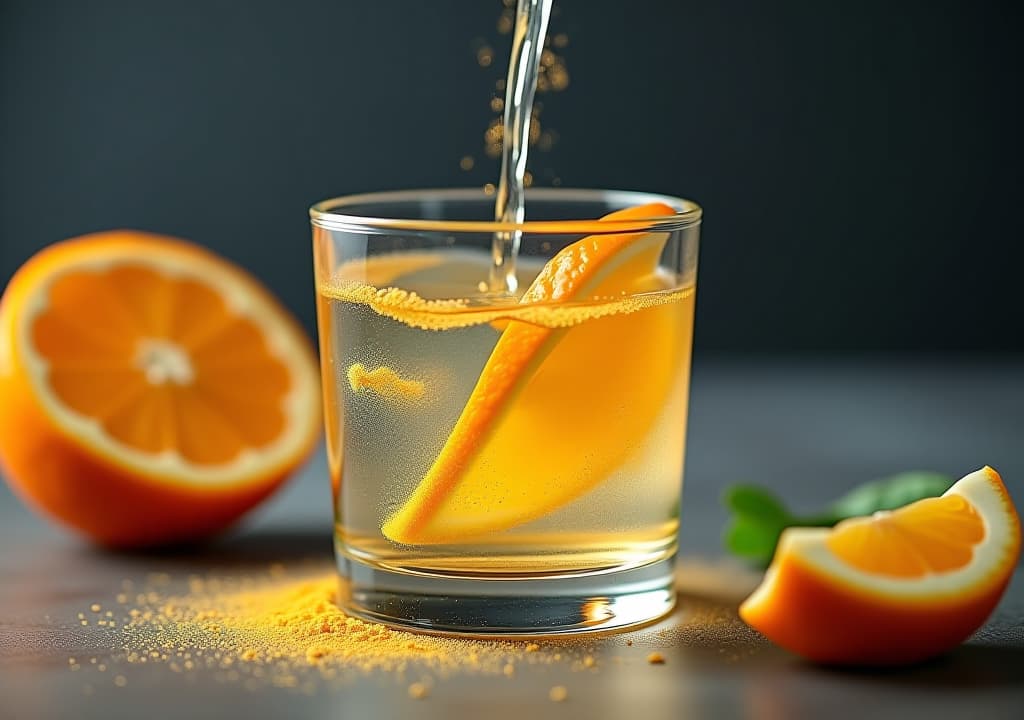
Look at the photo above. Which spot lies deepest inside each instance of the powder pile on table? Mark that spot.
(278, 629)
(284, 628)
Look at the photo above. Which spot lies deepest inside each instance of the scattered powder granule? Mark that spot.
(314, 654)
(288, 631)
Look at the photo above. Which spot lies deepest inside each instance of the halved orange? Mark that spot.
(895, 587)
(151, 391)
(537, 430)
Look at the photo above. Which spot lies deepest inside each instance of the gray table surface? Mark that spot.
(809, 429)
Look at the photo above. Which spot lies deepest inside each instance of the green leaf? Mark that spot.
(751, 540)
(756, 503)
(759, 517)
(890, 493)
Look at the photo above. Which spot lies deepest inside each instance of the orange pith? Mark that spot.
(896, 587)
(153, 392)
(931, 536)
(514, 453)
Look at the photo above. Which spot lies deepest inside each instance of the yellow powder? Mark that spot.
(384, 381)
(279, 629)
(285, 630)
(558, 693)
(408, 307)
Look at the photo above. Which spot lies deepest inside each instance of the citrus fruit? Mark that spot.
(152, 392)
(895, 587)
(537, 430)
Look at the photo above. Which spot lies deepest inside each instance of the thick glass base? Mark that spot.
(597, 602)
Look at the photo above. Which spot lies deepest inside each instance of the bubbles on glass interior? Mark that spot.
(386, 433)
(400, 390)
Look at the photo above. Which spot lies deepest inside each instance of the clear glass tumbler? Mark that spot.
(506, 463)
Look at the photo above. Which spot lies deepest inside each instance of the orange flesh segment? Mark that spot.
(538, 429)
(91, 334)
(930, 536)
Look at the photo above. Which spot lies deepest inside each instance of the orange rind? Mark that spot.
(151, 391)
(537, 430)
(896, 587)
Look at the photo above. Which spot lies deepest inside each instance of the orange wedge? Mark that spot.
(537, 430)
(151, 392)
(896, 587)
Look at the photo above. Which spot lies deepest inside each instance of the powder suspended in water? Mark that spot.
(558, 693)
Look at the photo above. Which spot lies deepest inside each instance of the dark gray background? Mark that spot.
(859, 162)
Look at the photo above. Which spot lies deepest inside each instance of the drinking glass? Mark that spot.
(506, 463)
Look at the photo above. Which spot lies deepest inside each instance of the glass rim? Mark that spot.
(330, 214)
